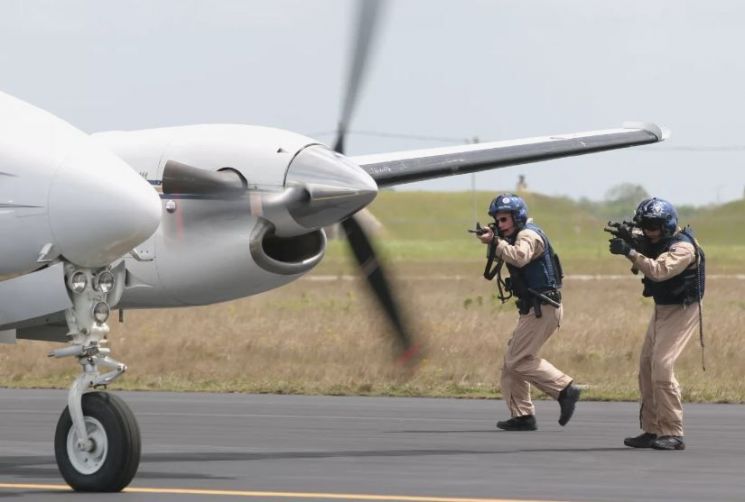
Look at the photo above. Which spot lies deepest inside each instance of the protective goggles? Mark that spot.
(651, 224)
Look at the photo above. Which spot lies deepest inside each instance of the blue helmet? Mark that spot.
(511, 203)
(657, 212)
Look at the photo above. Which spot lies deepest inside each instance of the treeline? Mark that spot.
(621, 200)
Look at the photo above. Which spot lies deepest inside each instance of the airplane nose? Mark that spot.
(99, 207)
(336, 186)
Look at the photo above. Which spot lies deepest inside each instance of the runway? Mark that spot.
(272, 447)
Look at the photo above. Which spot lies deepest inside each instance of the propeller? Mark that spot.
(368, 12)
(362, 248)
(368, 262)
(321, 188)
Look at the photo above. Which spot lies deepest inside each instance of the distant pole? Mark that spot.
(474, 140)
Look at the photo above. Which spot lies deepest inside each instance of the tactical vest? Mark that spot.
(542, 274)
(685, 288)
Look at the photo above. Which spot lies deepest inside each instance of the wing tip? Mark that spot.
(662, 133)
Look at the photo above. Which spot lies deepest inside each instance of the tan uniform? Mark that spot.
(522, 366)
(668, 333)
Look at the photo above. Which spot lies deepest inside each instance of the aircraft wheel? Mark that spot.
(114, 456)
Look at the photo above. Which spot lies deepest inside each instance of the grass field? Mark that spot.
(431, 226)
(323, 334)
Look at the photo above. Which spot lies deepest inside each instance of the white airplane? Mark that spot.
(187, 216)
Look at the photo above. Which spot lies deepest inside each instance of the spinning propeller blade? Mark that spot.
(368, 13)
(375, 275)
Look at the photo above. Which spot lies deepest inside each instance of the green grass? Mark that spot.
(431, 227)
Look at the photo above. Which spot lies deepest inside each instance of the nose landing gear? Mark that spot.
(97, 442)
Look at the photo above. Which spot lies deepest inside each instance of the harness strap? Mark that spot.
(502, 285)
(496, 271)
(697, 248)
(489, 272)
(700, 308)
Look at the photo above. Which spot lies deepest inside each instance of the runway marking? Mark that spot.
(242, 493)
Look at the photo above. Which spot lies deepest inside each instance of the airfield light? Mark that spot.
(78, 282)
(101, 312)
(104, 281)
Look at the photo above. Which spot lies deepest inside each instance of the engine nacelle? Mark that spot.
(243, 210)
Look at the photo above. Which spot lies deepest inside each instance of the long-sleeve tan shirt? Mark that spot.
(528, 246)
(672, 262)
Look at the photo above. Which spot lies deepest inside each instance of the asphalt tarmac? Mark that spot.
(273, 447)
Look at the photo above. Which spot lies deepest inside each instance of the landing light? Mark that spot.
(104, 281)
(78, 282)
(101, 312)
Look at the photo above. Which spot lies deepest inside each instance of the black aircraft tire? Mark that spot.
(113, 462)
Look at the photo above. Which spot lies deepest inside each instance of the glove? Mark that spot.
(619, 246)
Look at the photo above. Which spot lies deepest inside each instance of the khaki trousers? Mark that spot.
(523, 367)
(669, 330)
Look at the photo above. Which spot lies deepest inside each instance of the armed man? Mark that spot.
(535, 280)
(673, 266)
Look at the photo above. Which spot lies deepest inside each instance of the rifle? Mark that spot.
(479, 230)
(624, 230)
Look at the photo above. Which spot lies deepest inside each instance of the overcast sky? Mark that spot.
(441, 69)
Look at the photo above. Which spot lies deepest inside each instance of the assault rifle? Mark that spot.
(624, 230)
(479, 230)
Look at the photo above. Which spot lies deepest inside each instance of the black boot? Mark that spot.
(669, 443)
(567, 400)
(523, 423)
(643, 440)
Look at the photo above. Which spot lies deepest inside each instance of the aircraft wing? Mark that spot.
(416, 165)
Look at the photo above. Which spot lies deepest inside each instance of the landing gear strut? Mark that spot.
(97, 441)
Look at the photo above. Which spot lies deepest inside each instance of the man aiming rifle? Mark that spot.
(535, 280)
(673, 266)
